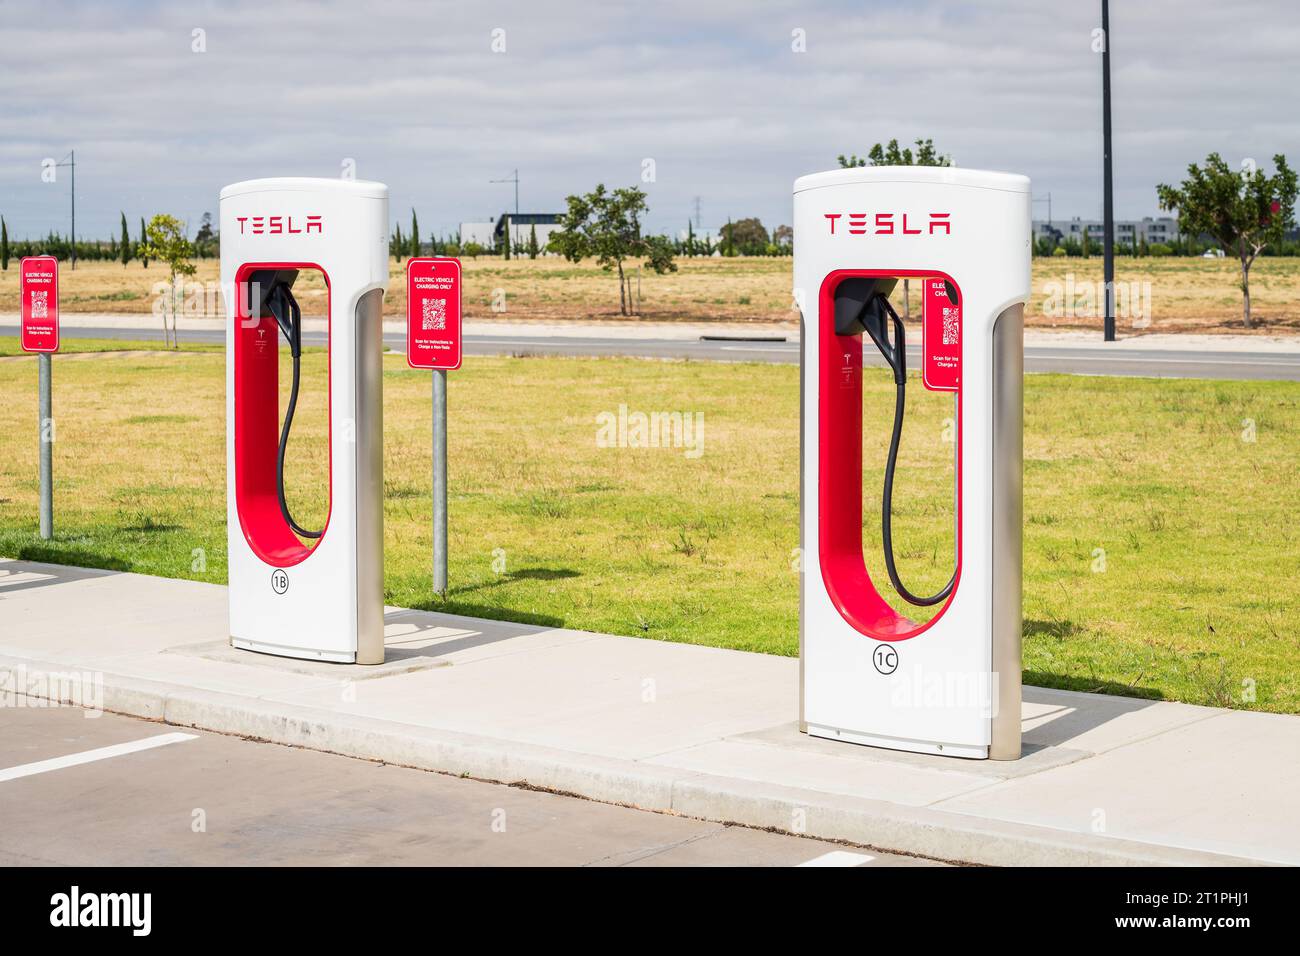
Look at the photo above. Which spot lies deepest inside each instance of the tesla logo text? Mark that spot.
(279, 225)
(888, 224)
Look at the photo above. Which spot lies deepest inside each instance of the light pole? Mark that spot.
(514, 179)
(71, 162)
(1047, 199)
(1108, 197)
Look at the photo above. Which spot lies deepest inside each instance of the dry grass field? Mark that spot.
(1171, 294)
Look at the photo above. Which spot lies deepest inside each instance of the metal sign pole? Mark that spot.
(46, 432)
(433, 341)
(440, 482)
(1108, 192)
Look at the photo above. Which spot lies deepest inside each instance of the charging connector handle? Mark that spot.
(896, 355)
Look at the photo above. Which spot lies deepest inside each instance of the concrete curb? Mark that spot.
(887, 826)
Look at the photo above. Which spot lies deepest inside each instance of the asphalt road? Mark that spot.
(1170, 363)
(116, 791)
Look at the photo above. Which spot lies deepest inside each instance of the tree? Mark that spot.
(891, 155)
(607, 226)
(4, 244)
(126, 243)
(689, 248)
(532, 241)
(506, 229)
(1245, 211)
(783, 236)
(415, 235)
(472, 249)
(746, 235)
(206, 238)
(166, 242)
(397, 244)
(144, 245)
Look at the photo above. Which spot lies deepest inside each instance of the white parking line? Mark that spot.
(89, 756)
(839, 858)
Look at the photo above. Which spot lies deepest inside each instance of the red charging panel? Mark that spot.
(257, 429)
(839, 490)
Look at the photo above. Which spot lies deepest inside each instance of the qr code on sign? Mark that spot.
(950, 326)
(40, 304)
(434, 316)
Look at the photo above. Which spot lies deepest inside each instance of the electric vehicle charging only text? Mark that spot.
(298, 590)
(949, 684)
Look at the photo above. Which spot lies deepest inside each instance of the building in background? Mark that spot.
(491, 234)
(521, 227)
(480, 232)
(1162, 229)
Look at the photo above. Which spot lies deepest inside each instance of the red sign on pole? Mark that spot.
(433, 313)
(940, 335)
(40, 304)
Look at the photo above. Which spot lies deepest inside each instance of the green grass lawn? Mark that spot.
(1162, 557)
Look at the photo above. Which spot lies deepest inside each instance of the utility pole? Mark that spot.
(71, 161)
(1108, 197)
(1047, 199)
(514, 179)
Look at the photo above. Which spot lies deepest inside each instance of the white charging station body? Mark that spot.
(320, 600)
(868, 675)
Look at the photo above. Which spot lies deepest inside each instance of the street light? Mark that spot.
(1108, 197)
(514, 179)
(71, 161)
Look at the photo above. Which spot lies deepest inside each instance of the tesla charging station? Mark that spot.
(870, 674)
(300, 591)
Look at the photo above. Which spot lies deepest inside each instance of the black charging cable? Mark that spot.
(288, 316)
(896, 356)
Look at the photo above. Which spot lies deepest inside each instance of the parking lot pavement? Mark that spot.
(111, 790)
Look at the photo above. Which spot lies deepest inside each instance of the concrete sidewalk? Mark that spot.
(698, 731)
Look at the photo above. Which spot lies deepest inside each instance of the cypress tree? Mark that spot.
(507, 246)
(144, 244)
(415, 235)
(532, 242)
(126, 243)
(4, 245)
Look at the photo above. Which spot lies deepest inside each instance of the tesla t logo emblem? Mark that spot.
(280, 225)
(889, 224)
(885, 658)
(279, 581)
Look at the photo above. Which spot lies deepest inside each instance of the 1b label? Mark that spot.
(279, 581)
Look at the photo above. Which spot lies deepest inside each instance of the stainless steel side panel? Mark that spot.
(370, 478)
(1008, 465)
(803, 554)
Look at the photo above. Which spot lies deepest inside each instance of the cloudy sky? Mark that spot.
(715, 93)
